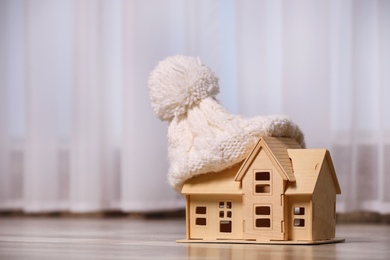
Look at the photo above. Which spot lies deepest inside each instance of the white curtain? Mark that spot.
(76, 129)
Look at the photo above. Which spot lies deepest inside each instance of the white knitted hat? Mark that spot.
(203, 137)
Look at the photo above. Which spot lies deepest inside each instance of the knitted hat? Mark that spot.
(204, 137)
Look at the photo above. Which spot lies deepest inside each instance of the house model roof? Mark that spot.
(214, 183)
(276, 148)
(300, 167)
(307, 164)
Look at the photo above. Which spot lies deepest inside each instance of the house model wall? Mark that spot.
(281, 193)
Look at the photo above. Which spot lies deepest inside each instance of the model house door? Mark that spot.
(229, 219)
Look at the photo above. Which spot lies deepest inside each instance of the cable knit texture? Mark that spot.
(204, 137)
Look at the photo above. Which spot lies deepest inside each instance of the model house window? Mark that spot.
(299, 222)
(299, 217)
(200, 216)
(262, 182)
(263, 216)
(225, 226)
(200, 210)
(299, 211)
(263, 176)
(225, 216)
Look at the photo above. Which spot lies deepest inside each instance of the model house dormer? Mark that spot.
(264, 176)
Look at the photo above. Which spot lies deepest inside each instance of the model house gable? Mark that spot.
(311, 199)
(308, 164)
(276, 149)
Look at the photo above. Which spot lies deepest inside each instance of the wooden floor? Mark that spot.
(127, 238)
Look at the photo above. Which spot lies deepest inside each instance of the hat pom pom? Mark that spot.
(178, 83)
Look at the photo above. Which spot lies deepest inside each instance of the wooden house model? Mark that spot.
(281, 193)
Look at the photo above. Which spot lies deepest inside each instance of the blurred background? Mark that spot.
(77, 133)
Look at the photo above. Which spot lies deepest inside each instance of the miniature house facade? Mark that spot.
(281, 192)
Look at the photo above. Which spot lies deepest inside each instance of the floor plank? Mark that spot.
(125, 238)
